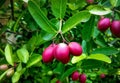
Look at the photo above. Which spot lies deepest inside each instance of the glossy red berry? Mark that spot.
(61, 53)
(75, 48)
(103, 24)
(48, 54)
(90, 1)
(115, 28)
(75, 75)
(82, 78)
(102, 75)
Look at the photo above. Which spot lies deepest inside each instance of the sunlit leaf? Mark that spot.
(99, 10)
(9, 55)
(100, 57)
(76, 59)
(23, 55)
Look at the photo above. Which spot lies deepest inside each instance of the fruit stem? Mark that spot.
(60, 26)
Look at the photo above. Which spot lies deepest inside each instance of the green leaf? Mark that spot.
(17, 74)
(76, 59)
(59, 8)
(68, 73)
(81, 16)
(90, 64)
(88, 29)
(8, 54)
(35, 58)
(23, 55)
(99, 10)
(100, 57)
(113, 2)
(40, 18)
(105, 50)
(59, 69)
(3, 75)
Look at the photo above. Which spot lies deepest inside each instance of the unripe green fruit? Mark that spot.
(10, 72)
(50, 73)
(3, 67)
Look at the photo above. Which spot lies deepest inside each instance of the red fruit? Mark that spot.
(102, 75)
(61, 53)
(75, 75)
(58, 81)
(48, 54)
(103, 24)
(90, 1)
(82, 78)
(115, 28)
(75, 48)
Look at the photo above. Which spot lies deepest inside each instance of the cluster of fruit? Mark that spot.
(75, 76)
(61, 52)
(105, 23)
(81, 77)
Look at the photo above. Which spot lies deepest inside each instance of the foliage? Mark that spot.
(27, 28)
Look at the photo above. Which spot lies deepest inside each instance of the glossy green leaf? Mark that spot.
(35, 58)
(113, 2)
(9, 55)
(87, 31)
(81, 16)
(23, 55)
(40, 18)
(99, 10)
(105, 50)
(68, 73)
(90, 64)
(100, 57)
(59, 8)
(17, 74)
(76, 59)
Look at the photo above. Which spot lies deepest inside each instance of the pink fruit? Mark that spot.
(82, 78)
(102, 75)
(61, 53)
(90, 1)
(58, 81)
(75, 48)
(103, 24)
(48, 54)
(115, 28)
(75, 75)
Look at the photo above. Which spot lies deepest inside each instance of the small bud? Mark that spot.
(3, 67)
(10, 72)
